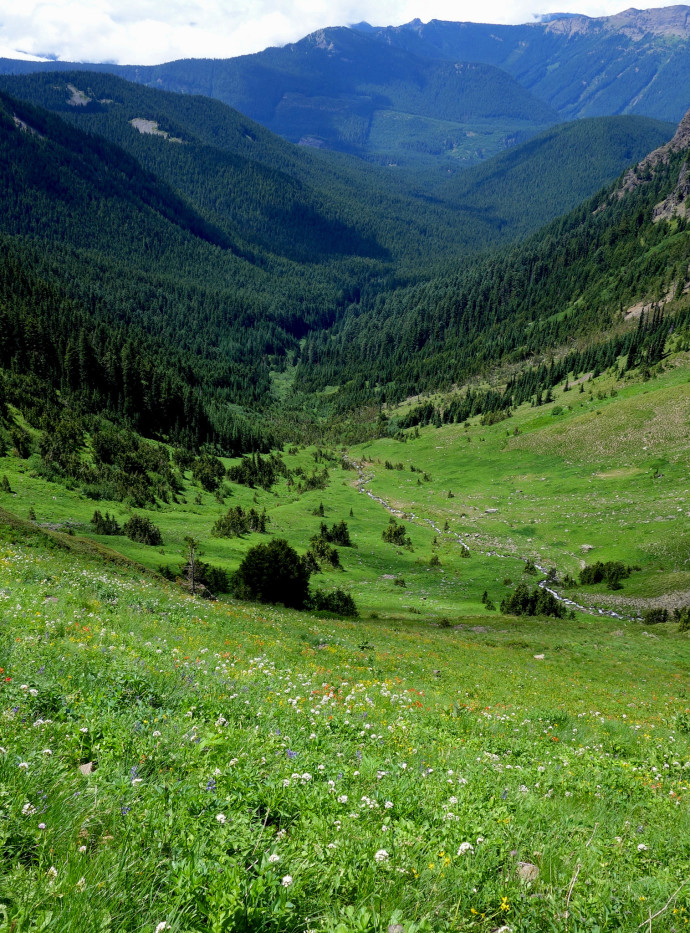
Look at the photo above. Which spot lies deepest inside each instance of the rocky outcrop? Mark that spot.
(644, 170)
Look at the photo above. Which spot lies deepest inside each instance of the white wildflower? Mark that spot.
(287, 881)
(381, 855)
(465, 847)
(273, 858)
(221, 818)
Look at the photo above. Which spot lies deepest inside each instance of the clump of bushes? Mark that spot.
(105, 524)
(395, 533)
(321, 552)
(273, 573)
(237, 522)
(655, 616)
(611, 572)
(682, 617)
(258, 471)
(337, 601)
(142, 530)
(537, 602)
(338, 533)
(208, 471)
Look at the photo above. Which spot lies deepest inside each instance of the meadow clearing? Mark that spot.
(170, 763)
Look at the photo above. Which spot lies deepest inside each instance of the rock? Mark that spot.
(88, 768)
(539, 657)
(396, 928)
(527, 872)
(587, 547)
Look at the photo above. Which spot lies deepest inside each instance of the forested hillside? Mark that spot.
(568, 286)
(176, 284)
(274, 198)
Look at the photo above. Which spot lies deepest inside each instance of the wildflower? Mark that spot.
(84, 730)
(221, 818)
(81, 849)
(52, 872)
(162, 927)
(156, 735)
(381, 855)
(287, 881)
(81, 884)
(23, 764)
(306, 777)
(28, 809)
(388, 804)
(342, 798)
(291, 754)
(465, 847)
(3, 751)
(642, 847)
(273, 858)
(47, 751)
(41, 825)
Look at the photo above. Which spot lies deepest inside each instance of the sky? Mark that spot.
(147, 32)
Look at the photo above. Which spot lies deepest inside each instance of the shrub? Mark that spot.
(105, 524)
(611, 572)
(336, 534)
(538, 602)
(141, 529)
(321, 552)
(237, 522)
(337, 601)
(258, 471)
(273, 573)
(655, 616)
(215, 578)
(396, 534)
(5, 485)
(682, 617)
(208, 471)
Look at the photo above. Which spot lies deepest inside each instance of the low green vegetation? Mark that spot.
(216, 766)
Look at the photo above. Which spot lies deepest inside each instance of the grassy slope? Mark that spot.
(577, 763)
(583, 477)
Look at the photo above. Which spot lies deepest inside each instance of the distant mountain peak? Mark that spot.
(633, 23)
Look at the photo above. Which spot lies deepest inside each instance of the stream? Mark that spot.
(362, 482)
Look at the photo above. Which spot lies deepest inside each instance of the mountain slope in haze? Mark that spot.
(340, 89)
(316, 206)
(441, 92)
(637, 61)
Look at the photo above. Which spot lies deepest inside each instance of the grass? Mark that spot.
(325, 742)
(256, 769)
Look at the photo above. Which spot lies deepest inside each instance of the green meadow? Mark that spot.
(170, 763)
(174, 763)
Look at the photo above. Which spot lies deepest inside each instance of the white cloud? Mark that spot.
(152, 31)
